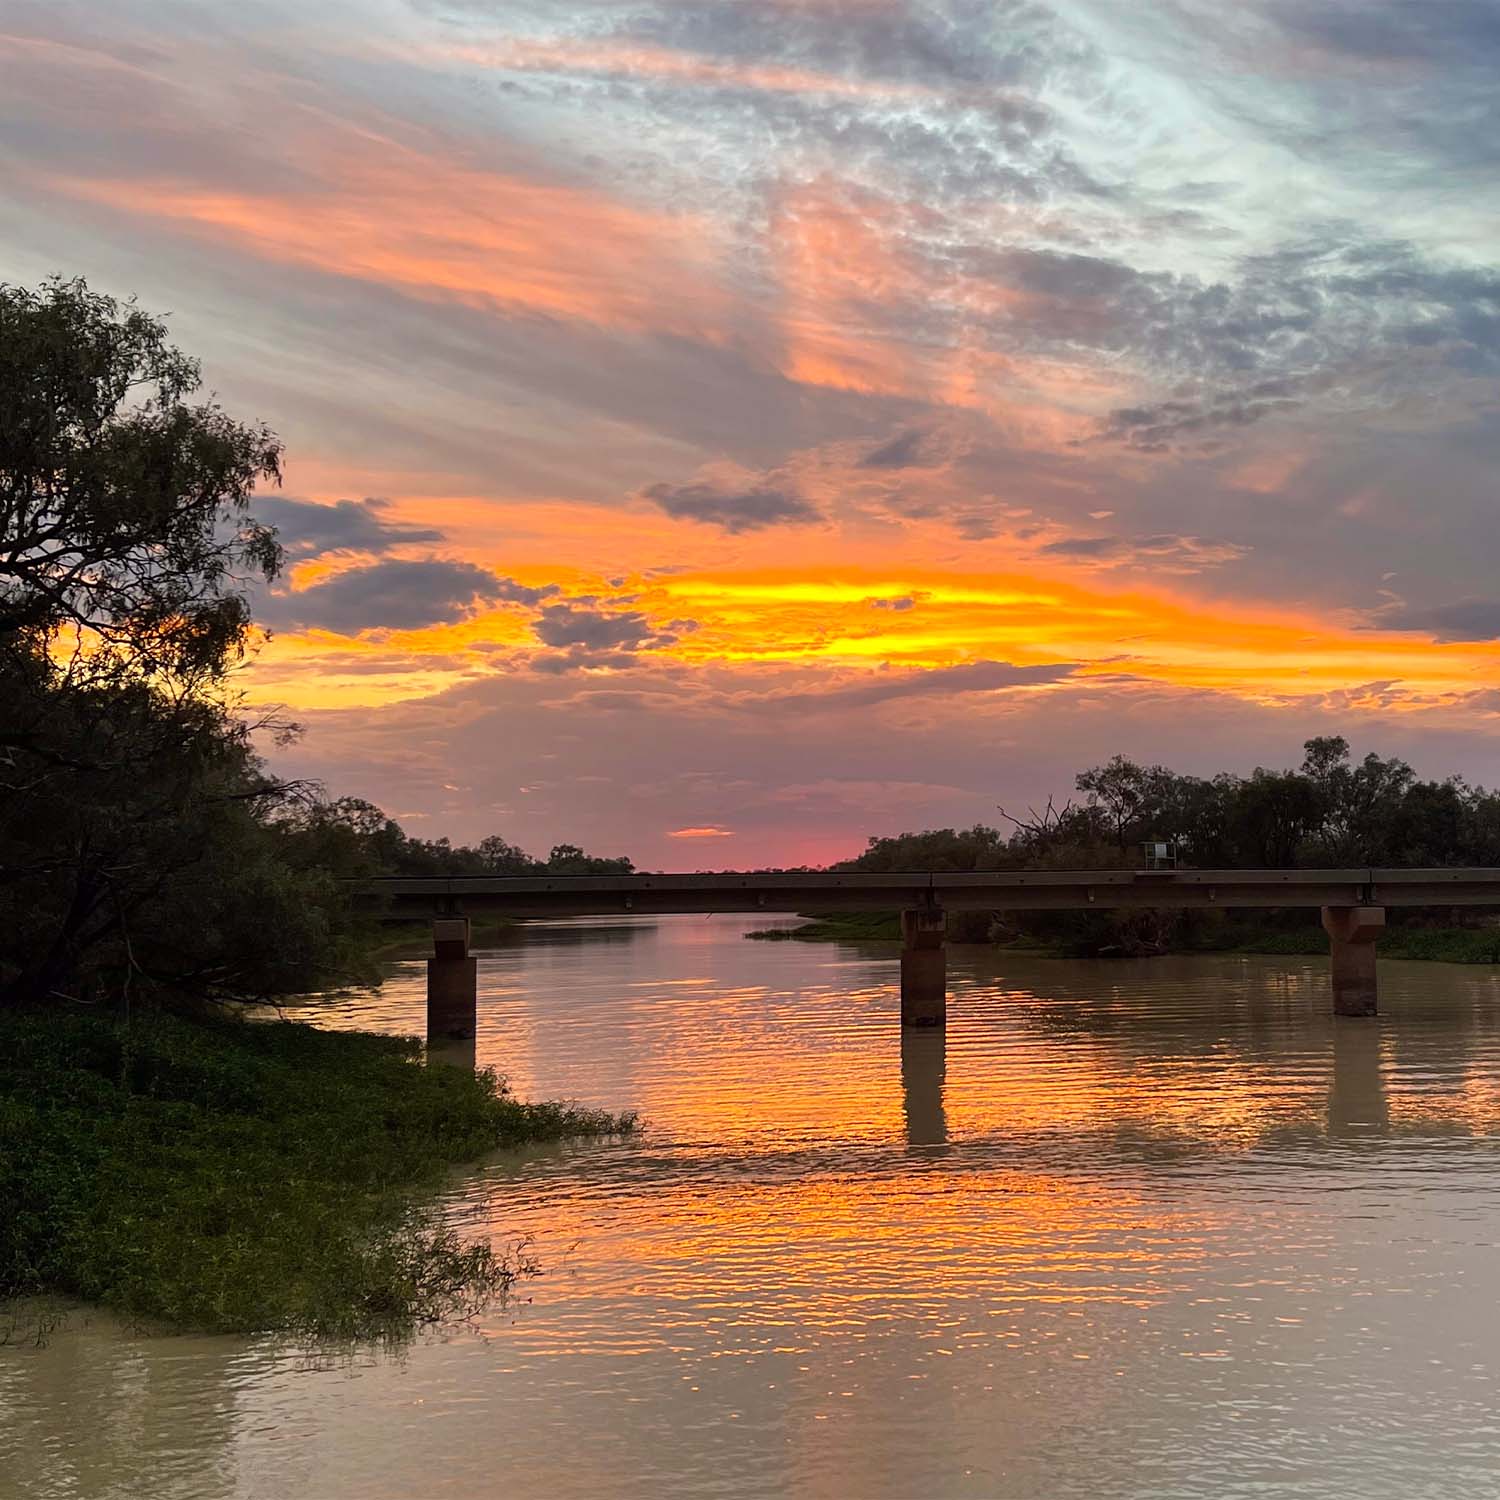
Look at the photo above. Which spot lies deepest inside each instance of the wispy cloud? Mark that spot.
(1001, 371)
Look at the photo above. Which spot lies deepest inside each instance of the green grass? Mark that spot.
(849, 927)
(1458, 945)
(243, 1176)
(1454, 945)
(414, 939)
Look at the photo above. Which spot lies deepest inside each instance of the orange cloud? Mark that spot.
(841, 281)
(825, 621)
(701, 833)
(440, 226)
(863, 306)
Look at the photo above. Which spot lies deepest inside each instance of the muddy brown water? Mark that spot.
(1154, 1228)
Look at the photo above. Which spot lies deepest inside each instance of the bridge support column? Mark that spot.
(1352, 931)
(452, 982)
(924, 967)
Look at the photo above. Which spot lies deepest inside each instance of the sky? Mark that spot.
(718, 432)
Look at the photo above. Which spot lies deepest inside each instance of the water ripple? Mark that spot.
(1131, 1229)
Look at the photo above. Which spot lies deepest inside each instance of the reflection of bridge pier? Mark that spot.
(454, 1052)
(1357, 1103)
(924, 1071)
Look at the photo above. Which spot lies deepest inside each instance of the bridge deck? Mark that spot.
(998, 890)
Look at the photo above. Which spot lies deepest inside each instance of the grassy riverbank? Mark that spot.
(235, 1176)
(845, 927)
(414, 939)
(1458, 945)
(1452, 945)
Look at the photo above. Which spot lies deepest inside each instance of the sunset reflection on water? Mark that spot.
(1133, 1228)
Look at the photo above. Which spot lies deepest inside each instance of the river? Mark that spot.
(1155, 1228)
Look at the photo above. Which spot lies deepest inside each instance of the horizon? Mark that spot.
(707, 434)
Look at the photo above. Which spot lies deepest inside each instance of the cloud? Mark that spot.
(701, 833)
(1461, 32)
(1085, 546)
(900, 452)
(1163, 550)
(1463, 620)
(308, 529)
(508, 591)
(976, 528)
(594, 629)
(587, 637)
(1125, 251)
(734, 509)
(1157, 428)
(395, 595)
(967, 677)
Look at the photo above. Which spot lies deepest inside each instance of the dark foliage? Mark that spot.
(1331, 811)
(124, 529)
(144, 849)
(356, 838)
(138, 855)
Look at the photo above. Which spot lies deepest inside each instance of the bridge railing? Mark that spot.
(1004, 890)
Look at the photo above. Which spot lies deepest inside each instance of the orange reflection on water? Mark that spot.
(809, 1167)
(1125, 1228)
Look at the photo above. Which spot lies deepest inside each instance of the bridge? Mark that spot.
(1353, 903)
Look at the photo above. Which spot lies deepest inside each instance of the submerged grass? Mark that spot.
(241, 1176)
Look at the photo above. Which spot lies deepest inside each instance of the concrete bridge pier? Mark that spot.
(452, 982)
(924, 967)
(1352, 931)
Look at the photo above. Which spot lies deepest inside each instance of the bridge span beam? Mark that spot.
(1352, 931)
(924, 967)
(452, 982)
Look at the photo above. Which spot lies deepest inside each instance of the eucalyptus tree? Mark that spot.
(131, 803)
(125, 533)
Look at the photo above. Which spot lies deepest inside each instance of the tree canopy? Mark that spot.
(1330, 811)
(144, 847)
(134, 838)
(125, 534)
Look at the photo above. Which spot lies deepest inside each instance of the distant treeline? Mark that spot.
(358, 839)
(1330, 812)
